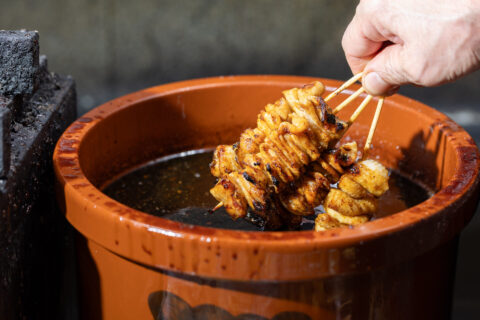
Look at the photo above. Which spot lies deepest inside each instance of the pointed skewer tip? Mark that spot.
(220, 204)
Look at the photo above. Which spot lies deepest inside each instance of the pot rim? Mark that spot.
(464, 180)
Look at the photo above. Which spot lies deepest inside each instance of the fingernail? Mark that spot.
(375, 85)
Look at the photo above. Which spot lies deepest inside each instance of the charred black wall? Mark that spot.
(35, 108)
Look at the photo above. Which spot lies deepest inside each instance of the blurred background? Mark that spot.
(113, 47)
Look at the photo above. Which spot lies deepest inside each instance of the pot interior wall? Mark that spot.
(413, 143)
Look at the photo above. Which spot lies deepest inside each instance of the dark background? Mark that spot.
(115, 47)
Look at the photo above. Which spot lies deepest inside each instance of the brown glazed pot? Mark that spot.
(136, 266)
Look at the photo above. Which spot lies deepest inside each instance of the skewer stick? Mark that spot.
(348, 100)
(360, 109)
(344, 86)
(216, 207)
(368, 143)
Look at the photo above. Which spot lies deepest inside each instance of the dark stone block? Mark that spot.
(18, 62)
(6, 102)
(43, 63)
(5, 121)
(34, 236)
(12, 103)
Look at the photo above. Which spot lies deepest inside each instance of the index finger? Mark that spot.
(361, 42)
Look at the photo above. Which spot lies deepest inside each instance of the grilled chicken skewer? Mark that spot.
(351, 201)
(290, 134)
(355, 199)
(271, 159)
(311, 189)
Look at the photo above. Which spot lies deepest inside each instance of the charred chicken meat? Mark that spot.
(288, 165)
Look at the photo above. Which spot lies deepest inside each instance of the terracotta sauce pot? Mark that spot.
(136, 266)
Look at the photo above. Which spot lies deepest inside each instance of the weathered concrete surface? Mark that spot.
(5, 138)
(18, 62)
(33, 233)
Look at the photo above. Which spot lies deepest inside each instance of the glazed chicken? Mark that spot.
(352, 199)
(290, 134)
(309, 191)
(355, 199)
(287, 166)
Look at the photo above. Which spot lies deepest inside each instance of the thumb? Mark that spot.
(385, 72)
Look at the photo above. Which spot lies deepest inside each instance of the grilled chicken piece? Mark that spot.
(310, 191)
(224, 161)
(324, 222)
(352, 188)
(355, 200)
(234, 201)
(371, 175)
(250, 141)
(308, 106)
(309, 194)
(238, 191)
(346, 205)
(344, 219)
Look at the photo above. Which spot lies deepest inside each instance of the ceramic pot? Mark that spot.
(136, 266)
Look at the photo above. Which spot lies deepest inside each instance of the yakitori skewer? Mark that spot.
(355, 198)
(349, 203)
(352, 119)
(229, 181)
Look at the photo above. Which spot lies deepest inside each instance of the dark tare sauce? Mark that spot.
(177, 187)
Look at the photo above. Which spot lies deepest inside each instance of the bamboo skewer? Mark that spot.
(359, 110)
(216, 207)
(344, 86)
(368, 143)
(348, 100)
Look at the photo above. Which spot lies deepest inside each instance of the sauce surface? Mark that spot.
(177, 187)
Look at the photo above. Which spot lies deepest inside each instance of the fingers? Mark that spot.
(361, 42)
(384, 73)
(363, 45)
(425, 43)
(365, 51)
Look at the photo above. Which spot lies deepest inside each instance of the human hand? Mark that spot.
(426, 43)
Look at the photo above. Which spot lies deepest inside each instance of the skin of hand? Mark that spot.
(425, 43)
